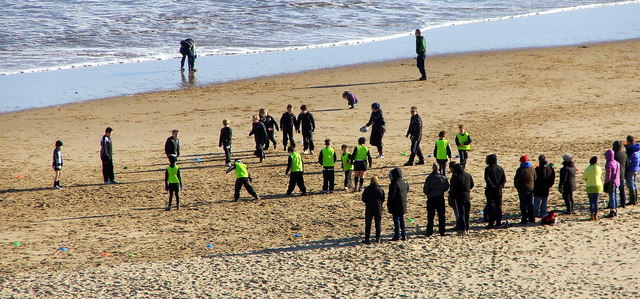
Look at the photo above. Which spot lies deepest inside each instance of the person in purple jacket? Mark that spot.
(612, 179)
(633, 152)
(351, 98)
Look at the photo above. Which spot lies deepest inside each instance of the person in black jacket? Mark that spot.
(567, 184)
(288, 123)
(225, 141)
(259, 133)
(415, 132)
(57, 164)
(188, 50)
(397, 203)
(376, 120)
(434, 188)
(545, 178)
(621, 156)
(495, 180)
(106, 155)
(306, 125)
(172, 146)
(270, 124)
(373, 197)
(461, 185)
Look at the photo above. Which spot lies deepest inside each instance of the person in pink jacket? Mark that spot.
(612, 182)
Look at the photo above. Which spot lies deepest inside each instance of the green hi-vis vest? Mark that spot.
(345, 162)
(296, 162)
(361, 153)
(441, 153)
(173, 174)
(463, 139)
(241, 171)
(327, 157)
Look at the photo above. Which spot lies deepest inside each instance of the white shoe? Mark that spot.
(311, 153)
(115, 182)
(346, 188)
(379, 156)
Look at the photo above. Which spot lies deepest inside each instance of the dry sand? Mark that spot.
(575, 100)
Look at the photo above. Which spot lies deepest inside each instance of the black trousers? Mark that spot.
(247, 185)
(270, 137)
(107, 170)
(227, 153)
(526, 205)
(174, 188)
(296, 178)
(368, 217)
(347, 178)
(415, 150)
(463, 158)
(259, 151)
(494, 202)
(442, 166)
(287, 135)
(420, 65)
(463, 205)
(307, 141)
(328, 178)
(568, 201)
(435, 204)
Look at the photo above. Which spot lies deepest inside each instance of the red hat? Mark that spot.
(524, 158)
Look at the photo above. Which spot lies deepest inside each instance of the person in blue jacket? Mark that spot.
(633, 153)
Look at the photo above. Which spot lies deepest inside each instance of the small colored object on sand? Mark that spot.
(429, 156)
(64, 249)
(297, 235)
(15, 243)
(457, 156)
(405, 154)
(131, 255)
(126, 167)
(105, 254)
(209, 245)
(198, 159)
(140, 167)
(20, 176)
(411, 220)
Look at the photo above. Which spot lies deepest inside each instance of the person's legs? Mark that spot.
(622, 198)
(300, 182)
(431, 212)
(347, 178)
(441, 212)
(292, 183)
(613, 202)
(536, 205)
(497, 204)
(467, 211)
(543, 206)
(420, 64)
(367, 225)
(461, 215)
(311, 145)
(593, 203)
(442, 166)
(414, 151)
(170, 198)
(227, 154)
(305, 140)
(463, 158)
(272, 138)
(325, 180)
(630, 180)
(567, 202)
(332, 179)
(182, 62)
(192, 61)
(529, 196)
(378, 220)
(236, 189)
(396, 227)
(523, 206)
(112, 176)
(403, 228)
(249, 188)
(419, 152)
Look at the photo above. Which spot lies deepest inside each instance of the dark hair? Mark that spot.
(362, 140)
(108, 130)
(290, 149)
(593, 160)
(441, 134)
(543, 160)
(303, 107)
(630, 139)
(172, 159)
(58, 143)
(344, 146)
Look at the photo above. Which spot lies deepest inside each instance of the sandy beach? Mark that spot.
(576, 100)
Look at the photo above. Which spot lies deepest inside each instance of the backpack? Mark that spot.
(549, 219)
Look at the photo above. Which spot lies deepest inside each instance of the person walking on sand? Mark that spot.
(172, 145)
(495, 180)
(347, 166)
(243, 178)
(296, 167)
(306, 125)
(373, 197)
(288, 123)
(106, 155)
(173, 182)
(442, 152)
(421, 50)
(461, 185)
(327, 159)
(451, 200)
(270, 124)
(57, 164)
(259, 133)
(415, 133)
(397, 203)
(545, 178)
(621, 157)
(377, 123)
(360, 156)
(224, 142)
(351, 98)
(188, 49)
(593, 175)
(523, 181)
(567, 184)
(434, 188)
(633, 153)
(612, 182)
(463, 142)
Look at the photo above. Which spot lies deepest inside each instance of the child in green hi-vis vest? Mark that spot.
(296, 167)
(243, 178)
(442, 152)
(347, 167)
(172, 181)
(327, 160)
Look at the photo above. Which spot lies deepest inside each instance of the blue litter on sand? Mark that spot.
(297, 235)
(198, 159)
(64, 249)
(429, 156)
(457, 156)
(209, 245)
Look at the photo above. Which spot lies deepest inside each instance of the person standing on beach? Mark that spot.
(621, 157)
(397, 203)
(172, 145)
(463, 141)
(434, 188)
(495, 180)
(327, 159)
(188, 49)
(288, 123)
(106, 155)
(421, 50)
(567, 183)
(360, 157)
(347, 166)
(442, 152)
(523, 181)
(173, 182)
(460, 186)
(612, 182)
(633, 153)
(373, 197)
(225, 141)
(351, 98)
(415, 133)
(57, 164)
(270, 124)
(296, 167)
(259, 133)
(545, 178)
(306, 125)
(243, 178)
(593, 175)
(377, 123)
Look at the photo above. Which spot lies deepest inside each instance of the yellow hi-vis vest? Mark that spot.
(345, 162)
(296, 162)
(241, 171)
(463, 139)
(361, 153)
(173, 174)
(441, 153)
(327, 157)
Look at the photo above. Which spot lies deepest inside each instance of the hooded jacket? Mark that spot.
(612, 169)
(525, 176)
(621, 156)
(435, 185)
(398, 189)
(373, 197)
(633, 153)
(593, 175)
(461, 184)
(494, 175)
(567, 181)
(545, 178)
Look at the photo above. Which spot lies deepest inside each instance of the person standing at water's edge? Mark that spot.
(188, 49)
(106, 155)
(421, 50)
(172, 145)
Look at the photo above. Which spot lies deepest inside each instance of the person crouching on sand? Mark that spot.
(373, 197)
(351, 98)
(172, 181)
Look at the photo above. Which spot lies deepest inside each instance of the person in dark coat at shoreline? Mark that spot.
(495, 180)
(373, 197)
(421, 50)
(567, 184)
(397, 203)
(378, 127)
(621, 156)
(415, 132)
(523, 181)
(461, 185)
(188, 50)
(434, 188)
(288, 123)
(259, 133)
